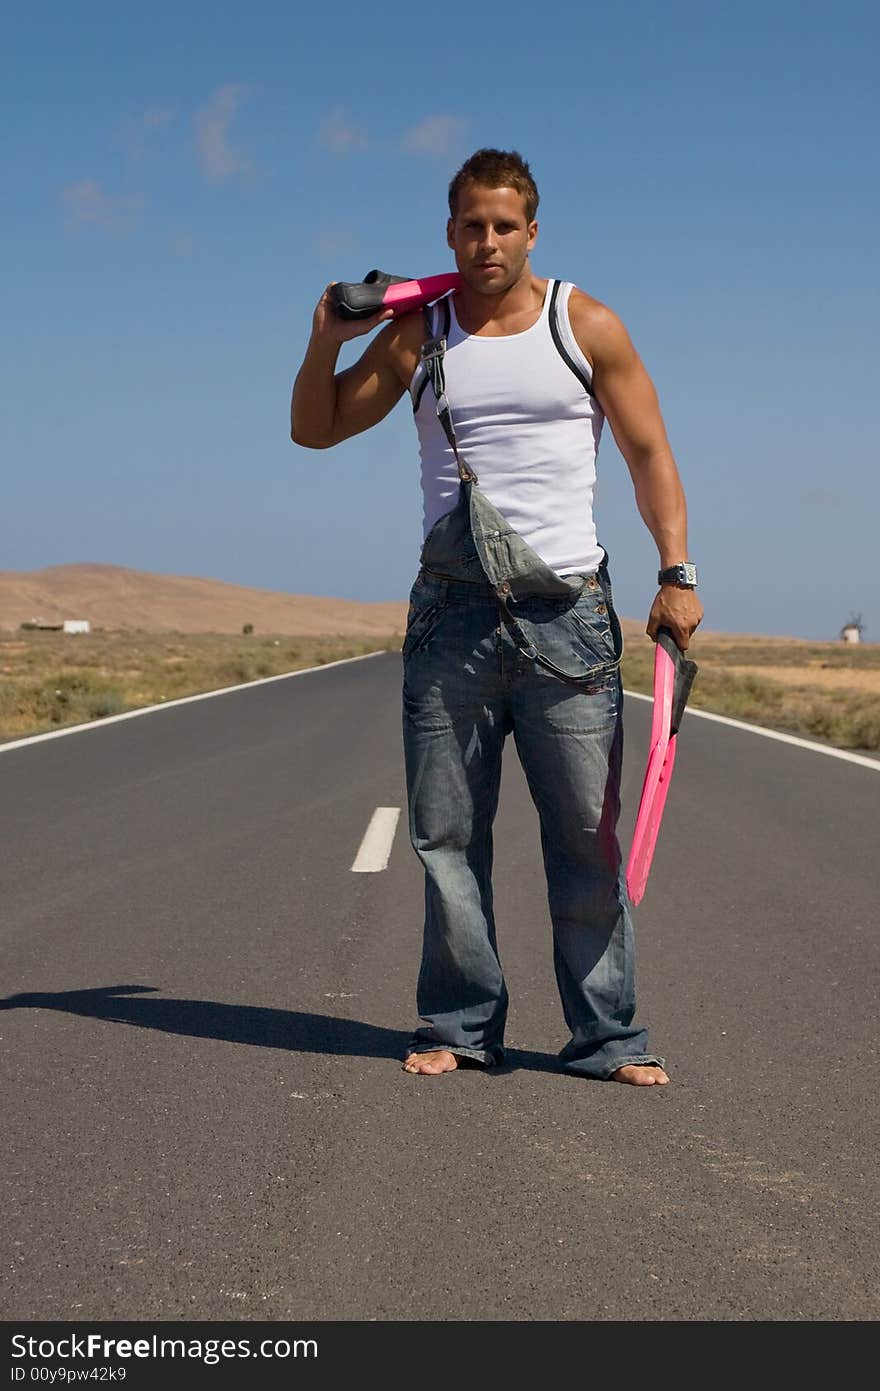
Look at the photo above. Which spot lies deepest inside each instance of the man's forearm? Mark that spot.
(313, 403)
(661, 503)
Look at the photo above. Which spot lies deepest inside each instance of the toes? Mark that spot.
(641, 1075)
(416, 1063)
(430, 1062)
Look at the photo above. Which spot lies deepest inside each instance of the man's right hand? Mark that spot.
(327, 407)
(330, 327)
(677, 609)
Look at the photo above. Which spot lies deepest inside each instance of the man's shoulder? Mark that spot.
(593, 323)
(586, 310)
(399, 344)
(404, 331)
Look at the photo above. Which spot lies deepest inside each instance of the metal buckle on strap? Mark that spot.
(434, 347)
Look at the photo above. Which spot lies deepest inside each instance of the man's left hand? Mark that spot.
(677, 609)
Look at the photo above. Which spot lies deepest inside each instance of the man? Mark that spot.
(532, 368)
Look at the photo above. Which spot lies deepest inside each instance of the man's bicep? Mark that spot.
(628, 397)
(367, 391)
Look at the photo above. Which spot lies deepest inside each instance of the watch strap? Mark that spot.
(684, 575)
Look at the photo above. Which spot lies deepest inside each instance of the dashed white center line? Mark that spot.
(375, 848)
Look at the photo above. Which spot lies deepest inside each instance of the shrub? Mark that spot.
(109, 702)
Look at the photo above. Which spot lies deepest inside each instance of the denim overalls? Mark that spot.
(496, 643)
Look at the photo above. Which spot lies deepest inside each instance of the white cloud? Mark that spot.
(436, 135)
(88, 204)
(829, 499)
(337, 133)
(439, 134)
(220, 159)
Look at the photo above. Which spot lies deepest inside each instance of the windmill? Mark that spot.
(853, 629)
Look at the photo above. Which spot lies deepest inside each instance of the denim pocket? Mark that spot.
(575, 638)
(591, 618)
(425, 611)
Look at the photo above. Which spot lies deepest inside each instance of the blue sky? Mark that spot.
(183, 180)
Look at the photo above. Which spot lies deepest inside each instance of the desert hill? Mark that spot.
(116, 598)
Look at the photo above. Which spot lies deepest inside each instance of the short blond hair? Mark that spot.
(496, 169)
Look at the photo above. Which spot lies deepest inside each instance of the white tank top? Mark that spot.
(527, 424)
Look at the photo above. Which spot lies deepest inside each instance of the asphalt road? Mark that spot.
(204, 1113)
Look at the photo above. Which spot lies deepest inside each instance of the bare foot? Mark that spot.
(436, 1060)
(641, 1075)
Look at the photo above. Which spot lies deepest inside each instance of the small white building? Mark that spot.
(77, 625)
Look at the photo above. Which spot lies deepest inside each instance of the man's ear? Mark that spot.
(449, 228)
(533, 234)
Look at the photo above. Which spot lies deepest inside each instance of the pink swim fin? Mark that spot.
(378, 290)
(673, 677)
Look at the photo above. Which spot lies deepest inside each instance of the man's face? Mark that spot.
(491, 237)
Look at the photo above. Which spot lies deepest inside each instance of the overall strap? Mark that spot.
(433, 354)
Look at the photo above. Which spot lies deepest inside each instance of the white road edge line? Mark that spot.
(375, 848)
(182, 700)
(773, 734)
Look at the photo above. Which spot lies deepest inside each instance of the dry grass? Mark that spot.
(826, 691)
(823, 691)
(49, 679)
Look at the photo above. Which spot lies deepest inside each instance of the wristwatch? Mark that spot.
(684, 575)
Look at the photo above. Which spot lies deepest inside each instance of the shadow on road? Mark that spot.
(252, 1024)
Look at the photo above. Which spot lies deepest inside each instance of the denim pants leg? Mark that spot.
(454, 727)
(466, 686)
(570, 743)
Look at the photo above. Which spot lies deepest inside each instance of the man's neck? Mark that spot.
(513, 311)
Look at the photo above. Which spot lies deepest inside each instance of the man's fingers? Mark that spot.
(365, 325)
(360, 326)
(680, 636)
